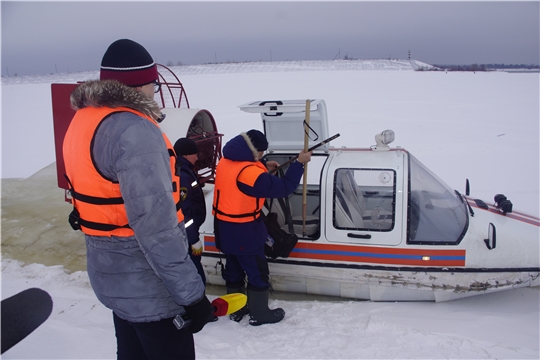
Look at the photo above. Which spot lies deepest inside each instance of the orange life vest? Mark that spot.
(236, 206)
(98, 202)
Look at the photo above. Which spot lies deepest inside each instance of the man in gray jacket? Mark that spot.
(120, 168)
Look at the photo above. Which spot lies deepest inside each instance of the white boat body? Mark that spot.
(455, 246)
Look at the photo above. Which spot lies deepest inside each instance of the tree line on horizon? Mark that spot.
(433, 67)
(479, 67)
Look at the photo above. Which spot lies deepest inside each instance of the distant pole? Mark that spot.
(270, 55)
(215, 57)
(7, 71)
(55, 69)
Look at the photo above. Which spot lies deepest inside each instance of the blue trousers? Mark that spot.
(197, 261)
(255, 267)
(152, 340)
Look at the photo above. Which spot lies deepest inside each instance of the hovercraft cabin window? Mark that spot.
(364, 199)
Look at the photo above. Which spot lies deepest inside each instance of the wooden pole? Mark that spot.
(306, 148)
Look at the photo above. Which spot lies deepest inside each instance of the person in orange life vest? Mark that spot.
(242, 184)
(121, 171)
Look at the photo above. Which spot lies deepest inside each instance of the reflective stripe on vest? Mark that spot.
(231, 204)
(97, 199)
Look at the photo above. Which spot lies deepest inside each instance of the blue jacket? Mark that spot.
(249, 238)
(192, 199)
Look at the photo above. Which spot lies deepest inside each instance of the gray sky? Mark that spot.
(46, 37)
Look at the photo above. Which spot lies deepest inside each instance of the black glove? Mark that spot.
(199, 312)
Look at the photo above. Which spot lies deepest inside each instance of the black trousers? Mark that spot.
(152, 340)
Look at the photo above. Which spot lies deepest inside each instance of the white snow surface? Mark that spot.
(480, 126)
(494, 326)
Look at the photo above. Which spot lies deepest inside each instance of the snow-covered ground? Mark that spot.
(493, 326)
(483, 126)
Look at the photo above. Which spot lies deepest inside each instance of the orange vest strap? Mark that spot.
(249, 175)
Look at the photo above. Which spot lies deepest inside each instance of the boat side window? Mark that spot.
(364, 199)
(436, 214)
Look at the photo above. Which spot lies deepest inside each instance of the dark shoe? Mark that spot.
(239, 315)
(213, 318)
(259, 312)
(271, 317)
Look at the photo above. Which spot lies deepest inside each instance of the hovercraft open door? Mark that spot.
(283, 122)
(284, 126)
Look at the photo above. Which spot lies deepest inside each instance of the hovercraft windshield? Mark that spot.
(436, 214)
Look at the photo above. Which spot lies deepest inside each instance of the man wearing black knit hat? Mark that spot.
(241, 187)
(192, 197)
(125, 194)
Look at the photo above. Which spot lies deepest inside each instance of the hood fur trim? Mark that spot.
(251, 146)
(111, 93)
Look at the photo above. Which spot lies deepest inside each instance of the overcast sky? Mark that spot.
(46, 37)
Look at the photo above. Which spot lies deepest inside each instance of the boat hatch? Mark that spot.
(283, 122)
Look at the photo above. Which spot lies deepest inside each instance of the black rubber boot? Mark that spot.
(259, 313)
(239, 315)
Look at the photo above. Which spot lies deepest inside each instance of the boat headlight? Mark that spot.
(383, 139)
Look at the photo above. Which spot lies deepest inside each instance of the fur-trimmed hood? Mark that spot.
(240, 148)
(111, 93)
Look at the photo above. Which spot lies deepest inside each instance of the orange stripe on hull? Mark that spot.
(367, 254)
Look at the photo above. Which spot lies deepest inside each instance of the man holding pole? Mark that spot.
(241, 187)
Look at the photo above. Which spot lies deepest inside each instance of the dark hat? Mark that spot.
(128, 62)
(258, 139)
(185, 146)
